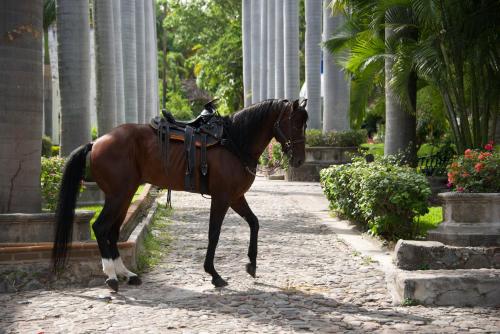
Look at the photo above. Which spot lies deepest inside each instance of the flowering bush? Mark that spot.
(477, 171)
(50, 179)
(273, 156)
(382, 195)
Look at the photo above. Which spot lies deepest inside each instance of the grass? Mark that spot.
(98, 208)
(430, 220)
(156, 241)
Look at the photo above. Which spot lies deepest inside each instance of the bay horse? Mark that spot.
(129, 155)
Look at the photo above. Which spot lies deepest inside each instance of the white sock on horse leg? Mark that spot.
(121, 269)
(108, 267)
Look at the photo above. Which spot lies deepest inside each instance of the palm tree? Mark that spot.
(154, 60)
(21, 93)
(336, 86)
(74, 72)
(255, 43)
(141, 59)
(127, 9)
(400, 124)
(105, 68)
(148, 41)
(246, 9)
(313, 62)
(291, 45)
(263, 49)
(120, 92)
(271, 45)
(49, 17)
(279, 74)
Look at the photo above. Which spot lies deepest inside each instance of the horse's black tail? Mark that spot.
(65, 211)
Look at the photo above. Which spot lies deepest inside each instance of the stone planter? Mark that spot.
(469, 220)
(92, 195)
(20, 227)
(318, 158)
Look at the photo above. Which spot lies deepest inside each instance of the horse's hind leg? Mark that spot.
(120, 268)
(102, 228)
(240, 206)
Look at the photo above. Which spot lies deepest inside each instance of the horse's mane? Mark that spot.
(241, 126)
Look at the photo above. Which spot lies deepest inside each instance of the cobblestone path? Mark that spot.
(308, 280)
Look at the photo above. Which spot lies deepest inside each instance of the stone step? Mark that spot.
(424, 255)
(461, 287)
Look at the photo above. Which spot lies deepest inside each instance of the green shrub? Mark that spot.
(348, 138)
(383, 195)
(273, 156)
(55, 151)
(46, 146)
(50, 179)
(179, 106)
(93, 133)
(314, 137)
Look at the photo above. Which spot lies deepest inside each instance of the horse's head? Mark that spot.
(290, 131)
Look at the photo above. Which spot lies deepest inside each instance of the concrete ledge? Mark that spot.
(465, 287)
(26, 266)
(92, 195)
(417, 255)
(39, 227)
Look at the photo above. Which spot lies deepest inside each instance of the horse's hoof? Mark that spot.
(134, 280)
(251, 269)
(113, 284)
(219, 282)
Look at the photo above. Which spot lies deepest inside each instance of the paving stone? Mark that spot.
(308, 280)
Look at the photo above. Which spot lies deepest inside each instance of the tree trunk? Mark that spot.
(21, 105)
(105, 67)
(140, 58)
(263, 49)
(74, 72)
(154, 59)
(120, 92)
(255, 43)
(129, 59)
(291, 45)
(279, 73)
(400, 125)
(313, 62)
(336, 86)
(148, 35)
(47, 87)
(246, 9)
(271, 45)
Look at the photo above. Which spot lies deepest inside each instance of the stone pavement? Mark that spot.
(308, 280)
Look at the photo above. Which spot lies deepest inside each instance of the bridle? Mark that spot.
(288, 142)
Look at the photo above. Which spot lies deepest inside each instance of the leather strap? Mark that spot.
(189, 146)
(204, 165)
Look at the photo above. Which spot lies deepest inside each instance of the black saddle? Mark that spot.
(204, 131)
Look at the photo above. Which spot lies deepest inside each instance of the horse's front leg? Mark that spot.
(218, 211)
(240, 206)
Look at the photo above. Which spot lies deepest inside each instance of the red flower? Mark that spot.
(488, 147)
(468, 153)
(460, 189)
(465, 174)
(478, 167)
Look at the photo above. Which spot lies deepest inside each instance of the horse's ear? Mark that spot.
(303, 104)
(295, 104)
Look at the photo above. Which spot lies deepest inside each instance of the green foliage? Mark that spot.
(204, 45)
(179, 106)
(94, 133)
(50, 179)
(383, 195)
(349, 138)
(46, 146)
(430, 220)
(55, 151)
(273, 156)
(476, 171)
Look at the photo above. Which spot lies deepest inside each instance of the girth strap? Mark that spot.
(189, 146)
(204, 165)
